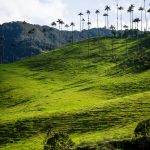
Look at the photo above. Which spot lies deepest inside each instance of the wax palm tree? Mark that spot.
(114, 34)
(67, 28)
(145, 15)
(61, 28)
(89, 24)
(126, 36)
(120, 8)
(105, 16)
(148, 12)
(53, 24)
(80, 14)
(59, 22)
(83, 20)
(88, 13)
(141, 10)
(61, 25)
(130, 11)
(117, 15)
(137, 20)
(72, 24)
(107, 8)
(97, 13)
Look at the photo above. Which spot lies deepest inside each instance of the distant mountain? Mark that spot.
(23, 39)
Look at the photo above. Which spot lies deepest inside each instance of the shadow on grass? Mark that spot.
(89, 121)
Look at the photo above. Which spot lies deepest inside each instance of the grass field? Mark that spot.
(92, 94)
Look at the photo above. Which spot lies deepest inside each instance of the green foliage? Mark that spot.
(143, 129)
(58, 141)
(85, 95)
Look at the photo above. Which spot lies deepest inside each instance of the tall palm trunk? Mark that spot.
(59, 34)
(141, 22)
(117, 15)
(145, 16)
(107, 20)
(121, 19)
(97, 21)
(130, 21)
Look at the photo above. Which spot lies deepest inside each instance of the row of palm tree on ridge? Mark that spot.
(107, 9)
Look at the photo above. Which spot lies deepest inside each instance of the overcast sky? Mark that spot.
(43, 12)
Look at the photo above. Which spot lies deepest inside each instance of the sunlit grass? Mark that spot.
(76, 92)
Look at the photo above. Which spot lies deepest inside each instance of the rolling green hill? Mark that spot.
(89, 89)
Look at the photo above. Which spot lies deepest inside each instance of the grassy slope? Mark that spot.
(80, 94)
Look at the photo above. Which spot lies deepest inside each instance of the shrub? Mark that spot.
(58, 141)
(143, 129)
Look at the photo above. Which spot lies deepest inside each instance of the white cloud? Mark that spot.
(33, 11)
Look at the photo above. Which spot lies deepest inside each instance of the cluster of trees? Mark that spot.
(130, 10)
(131, 30)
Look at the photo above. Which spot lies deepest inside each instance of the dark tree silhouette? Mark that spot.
(80, 14)
(59, 22)
(107, 8)
(137, 20)
(126, 36)
(141, 9)
(89, 24)
(97, 13)
(114, 34)
(67, 27)
(130, 11)
(72, 24)
(83, 20)
(145, 15)
(148, 12)
(120, 8)
(105, 16)
(53, 24)
(117, 15)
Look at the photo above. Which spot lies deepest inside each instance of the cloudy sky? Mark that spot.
(43, 12)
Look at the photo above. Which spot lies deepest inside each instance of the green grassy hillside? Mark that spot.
(94, 95)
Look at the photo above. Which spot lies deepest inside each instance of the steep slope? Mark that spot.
(23, 39)
(85, 89)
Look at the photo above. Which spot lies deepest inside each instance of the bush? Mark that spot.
(58, 141)
(143, 129)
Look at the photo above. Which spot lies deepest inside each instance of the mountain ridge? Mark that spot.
(24, 40)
